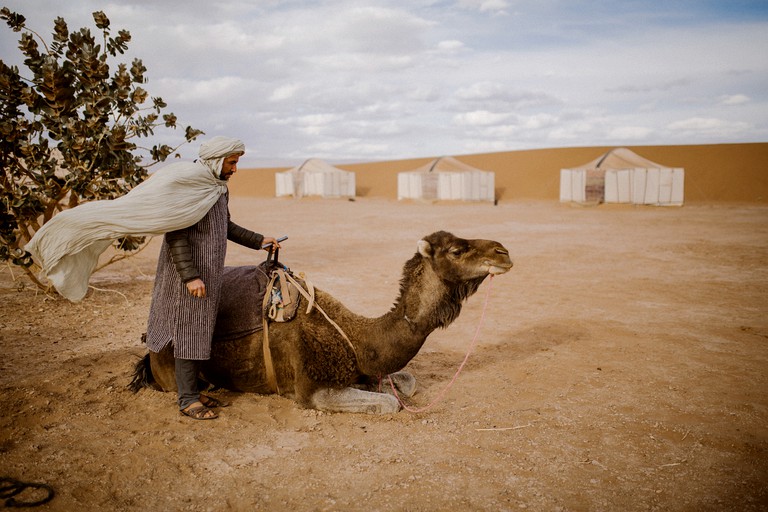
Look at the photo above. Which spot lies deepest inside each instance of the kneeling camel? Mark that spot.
(317, 367)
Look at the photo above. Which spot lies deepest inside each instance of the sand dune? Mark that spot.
(713, 173)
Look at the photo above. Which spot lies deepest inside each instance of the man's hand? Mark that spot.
(196, 288)
(270, 240)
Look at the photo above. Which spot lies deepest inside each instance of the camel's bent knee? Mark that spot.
(354, 400)
(404, 383)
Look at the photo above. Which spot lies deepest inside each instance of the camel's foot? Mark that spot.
(354, 400)
(404, 382)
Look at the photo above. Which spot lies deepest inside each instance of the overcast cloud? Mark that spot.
(383, 80)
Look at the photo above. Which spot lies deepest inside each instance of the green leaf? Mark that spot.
(14, 20)
(101, 20)
(170, 120)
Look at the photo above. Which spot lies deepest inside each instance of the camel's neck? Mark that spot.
(425, 303)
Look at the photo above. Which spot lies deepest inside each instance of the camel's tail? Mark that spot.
(142, 372)
(142, 375)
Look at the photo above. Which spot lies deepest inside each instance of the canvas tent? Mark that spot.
(446, 179)
(315, 178)
(622, 176)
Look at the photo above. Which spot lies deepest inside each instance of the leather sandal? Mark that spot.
(200, 412)
(212, 402)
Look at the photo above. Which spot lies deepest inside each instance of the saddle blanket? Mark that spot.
(240, 306)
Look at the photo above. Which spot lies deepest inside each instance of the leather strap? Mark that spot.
(312, 303)
(284, 292)
(267, 353)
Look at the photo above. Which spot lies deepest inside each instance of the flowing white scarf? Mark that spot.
(177, 196)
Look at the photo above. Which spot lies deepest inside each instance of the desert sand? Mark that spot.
(622, 364)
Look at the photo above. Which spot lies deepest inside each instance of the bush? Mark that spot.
(67, 130)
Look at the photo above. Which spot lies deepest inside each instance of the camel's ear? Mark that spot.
(425, 248)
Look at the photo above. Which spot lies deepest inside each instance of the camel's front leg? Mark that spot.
(354, 400)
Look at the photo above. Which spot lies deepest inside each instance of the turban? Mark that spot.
(68, 246)
(213, 152)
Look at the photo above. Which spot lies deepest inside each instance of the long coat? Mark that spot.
(175, 316)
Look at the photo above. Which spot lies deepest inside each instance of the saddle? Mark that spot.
(282, 297)
(281, 302)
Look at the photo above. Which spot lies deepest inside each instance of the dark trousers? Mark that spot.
(186, 382)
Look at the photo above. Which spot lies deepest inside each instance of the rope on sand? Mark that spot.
(10, 487)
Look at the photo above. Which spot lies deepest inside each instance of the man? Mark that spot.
(187, 201)
(187, 288)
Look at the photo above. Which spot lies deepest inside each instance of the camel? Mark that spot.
(313, 362)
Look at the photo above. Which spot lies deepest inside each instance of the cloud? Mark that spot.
(423, 93)
(630, 133)
(734, 99)
(501, 96)
(450, 46)
(359, 63)
(708, 126)
(372, 30)
(538, 121)
(568, 132)
(480, 118)
(203, 92)
(497, 7)
(228, 36)
(284, 92)
(349, 146)
(662, 85)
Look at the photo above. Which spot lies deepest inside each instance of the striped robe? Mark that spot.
(177, 317)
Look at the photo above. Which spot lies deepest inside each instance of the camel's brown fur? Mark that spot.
(314, 364)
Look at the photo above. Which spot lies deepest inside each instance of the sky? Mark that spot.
(395, 79)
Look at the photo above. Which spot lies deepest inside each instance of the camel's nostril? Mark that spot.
(502, 250)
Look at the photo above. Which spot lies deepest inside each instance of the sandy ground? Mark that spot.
(622, 365)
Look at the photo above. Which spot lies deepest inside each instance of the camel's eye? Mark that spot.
(457, 250)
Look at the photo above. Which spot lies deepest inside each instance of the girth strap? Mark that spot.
(269, 366)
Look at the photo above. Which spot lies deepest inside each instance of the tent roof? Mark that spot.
(619, 158)
(446, 164)
(315, 165)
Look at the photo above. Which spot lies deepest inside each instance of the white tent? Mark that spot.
(446, 179)
(315, 178)
(622, 176)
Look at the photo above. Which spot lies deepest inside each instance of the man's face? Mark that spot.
(229, 166)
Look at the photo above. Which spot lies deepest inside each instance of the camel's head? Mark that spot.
(456, 259)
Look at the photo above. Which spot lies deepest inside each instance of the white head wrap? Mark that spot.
(177, 196)
(213, 152)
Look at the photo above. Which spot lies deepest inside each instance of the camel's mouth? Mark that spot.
(499, 264)
(496, 269)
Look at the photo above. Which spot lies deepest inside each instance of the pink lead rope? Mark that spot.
(469, 351)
